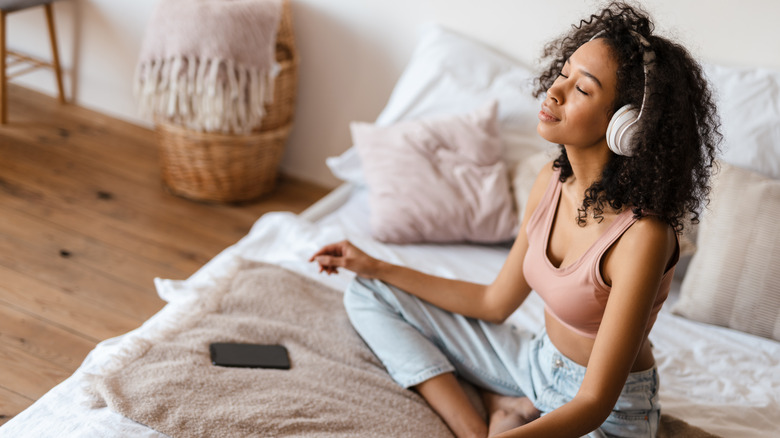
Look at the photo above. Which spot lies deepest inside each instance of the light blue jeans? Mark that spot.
(416, 341)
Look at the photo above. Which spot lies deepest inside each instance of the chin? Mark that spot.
(546, 135)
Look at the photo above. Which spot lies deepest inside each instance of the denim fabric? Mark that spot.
(417, 341)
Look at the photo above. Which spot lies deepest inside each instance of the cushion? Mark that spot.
(748, 104)
(733, 278)
(450, 74)
(437, 180)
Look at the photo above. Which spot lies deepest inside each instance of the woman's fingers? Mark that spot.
(340, 255)
(329, 261)
(334, 249)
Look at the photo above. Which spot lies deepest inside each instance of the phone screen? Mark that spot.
(228, 354)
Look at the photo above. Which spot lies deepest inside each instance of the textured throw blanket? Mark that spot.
(335, 388)
(209, 65)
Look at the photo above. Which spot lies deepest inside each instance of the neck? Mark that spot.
(587, 164)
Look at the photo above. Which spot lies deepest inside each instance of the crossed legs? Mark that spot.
(447, 398)
(422, 346)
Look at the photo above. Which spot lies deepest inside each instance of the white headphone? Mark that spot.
(622, 127)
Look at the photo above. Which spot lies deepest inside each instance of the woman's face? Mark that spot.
(579, 104)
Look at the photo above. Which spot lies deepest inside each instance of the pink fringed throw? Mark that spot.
(209, 65)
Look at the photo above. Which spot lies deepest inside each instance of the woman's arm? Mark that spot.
(494, 302)
(635, 267)
(453, 295)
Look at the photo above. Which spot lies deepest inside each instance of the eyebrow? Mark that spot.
(588, 74)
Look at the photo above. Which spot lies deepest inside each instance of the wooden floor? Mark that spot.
(85, 226)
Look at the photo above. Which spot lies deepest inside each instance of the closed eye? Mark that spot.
(577, 87)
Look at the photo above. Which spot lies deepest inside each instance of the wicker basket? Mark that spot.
(235, 167)
(220, 167)
(280, 111)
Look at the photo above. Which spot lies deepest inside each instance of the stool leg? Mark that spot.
(54, 52)
(3, 96)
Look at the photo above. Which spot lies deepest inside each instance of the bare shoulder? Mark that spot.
(648, 239)
(651, 229)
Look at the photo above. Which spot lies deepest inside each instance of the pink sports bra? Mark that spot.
(576, 295)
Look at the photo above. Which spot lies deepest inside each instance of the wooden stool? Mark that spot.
(6, 7)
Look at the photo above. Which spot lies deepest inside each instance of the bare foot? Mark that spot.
(506, 413)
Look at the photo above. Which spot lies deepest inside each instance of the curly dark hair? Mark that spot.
(677, 136)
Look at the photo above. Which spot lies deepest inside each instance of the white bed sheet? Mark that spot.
(721, 380)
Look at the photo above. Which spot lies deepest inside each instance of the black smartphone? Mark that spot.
(229, 354)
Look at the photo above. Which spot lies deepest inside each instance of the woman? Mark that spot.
(598, 243)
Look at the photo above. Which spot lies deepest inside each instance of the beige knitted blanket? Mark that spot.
(335, 388)
(209, 65)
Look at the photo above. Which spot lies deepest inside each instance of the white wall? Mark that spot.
(352, 51)
(99, 41)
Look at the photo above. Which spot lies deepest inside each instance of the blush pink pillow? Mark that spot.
(437, 180)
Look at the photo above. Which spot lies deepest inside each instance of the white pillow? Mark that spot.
(749, 105)
(437, 180)
(733, 280)
(451, 74)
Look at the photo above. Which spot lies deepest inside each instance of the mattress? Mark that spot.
(721, 380)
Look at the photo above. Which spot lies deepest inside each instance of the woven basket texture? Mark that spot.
(235, 167)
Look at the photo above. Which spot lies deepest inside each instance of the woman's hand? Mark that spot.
(345, 255)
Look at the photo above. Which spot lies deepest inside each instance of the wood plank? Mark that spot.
(51, 238)
(32, 108)
(21, 331)
(155, 223)
(28, 375)
(82, 185)
(79, 159)
(11, 404)
(51, 122)
(92, 320)
(70, 276)
(88, 143)
(162, 248)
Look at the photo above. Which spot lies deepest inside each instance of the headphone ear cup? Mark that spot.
(621, 130)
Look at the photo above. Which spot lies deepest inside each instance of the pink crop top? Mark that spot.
(576, 295)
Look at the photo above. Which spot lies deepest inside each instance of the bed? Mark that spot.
(716, 339)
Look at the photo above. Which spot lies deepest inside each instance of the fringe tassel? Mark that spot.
(207, 95)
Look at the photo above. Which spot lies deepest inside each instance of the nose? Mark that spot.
(554, 93)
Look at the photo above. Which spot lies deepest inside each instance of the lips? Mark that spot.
(545, 115)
